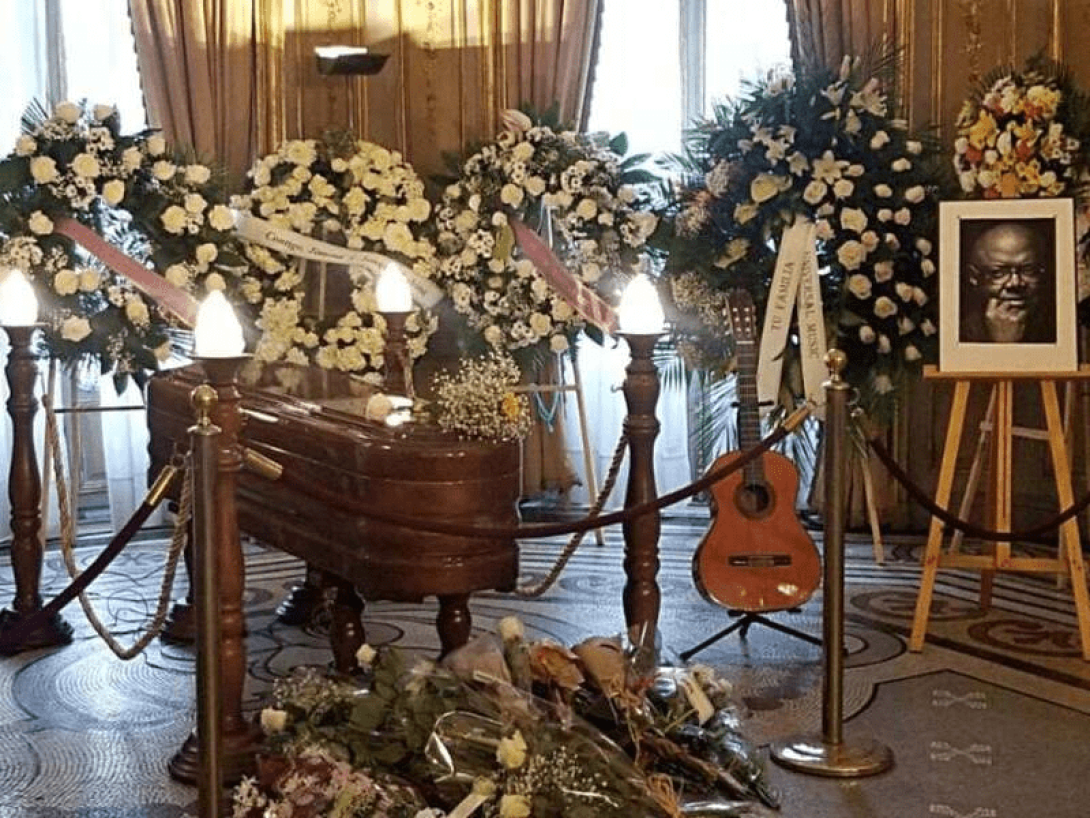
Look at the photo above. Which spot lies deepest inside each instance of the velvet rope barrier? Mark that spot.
(13, 637)
(535, 530)
(1034, 534)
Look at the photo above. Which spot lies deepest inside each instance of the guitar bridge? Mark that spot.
(758, 560)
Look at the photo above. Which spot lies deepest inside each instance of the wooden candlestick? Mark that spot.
(239, 738)
(397, 373)
(641, 535)
(25, 493)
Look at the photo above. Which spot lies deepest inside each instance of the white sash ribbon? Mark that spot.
(259, 231)
(795, 279)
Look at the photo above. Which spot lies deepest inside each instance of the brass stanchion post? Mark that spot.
(205, 441)
(829, 754)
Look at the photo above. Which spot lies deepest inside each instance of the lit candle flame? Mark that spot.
(18, 304)
(218, 333)
(640, 312)
(392, 292)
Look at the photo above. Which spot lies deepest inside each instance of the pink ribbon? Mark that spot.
(582, 298)
(170, 298)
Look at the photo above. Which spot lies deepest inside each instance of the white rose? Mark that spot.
(493, 335)
(859, 286)
(883, 191)
(195, 203)
(366, 655)
(903, 216)
(870, 240)
(883, 270)
(178, 275)
(879, 140)
(586, 209)
(900, 165)
(221, 217)
(884, 307)
(43, 169)
(273, 720)
(927, 267)
(923, 245)
(911, 353)
(814, 192)
(215, 282)
(156, 145)
(511, 195)
(510, 628)
(206, 253)
(89, 279)
(66, 282)
(68, 111)
(883, 385)
(558, 343)
(914, 147)
(851, 254)
(104, 112)
(86, 166)
(914, 194)
(163, 170)
(904, 290)
(852, 218)
(173, 219)
(113, 191)
(884, 214)
(763, 187)
(40, 223)
(197, 174)
(824, 230)
(137, 312)
(75, 329)
(866, 334)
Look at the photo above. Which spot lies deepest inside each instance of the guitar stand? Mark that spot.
(743, 624)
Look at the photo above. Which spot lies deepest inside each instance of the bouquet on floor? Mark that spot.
(514, 728)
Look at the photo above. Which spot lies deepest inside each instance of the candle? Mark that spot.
(392, 292)
(640, 312)
(218, 332)
(18, 304)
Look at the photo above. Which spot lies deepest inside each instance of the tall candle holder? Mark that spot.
(19, 319)
(397, 367)
(641, 325)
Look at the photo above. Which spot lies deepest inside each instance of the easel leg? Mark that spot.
(588, 453)
(1003, 440)
(972, 483)
(942, 497)
(1069, 533)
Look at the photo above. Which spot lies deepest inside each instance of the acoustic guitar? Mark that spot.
(755, 556)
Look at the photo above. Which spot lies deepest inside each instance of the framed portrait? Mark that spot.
(1007, 286)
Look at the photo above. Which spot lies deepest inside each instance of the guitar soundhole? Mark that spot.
(753, 499)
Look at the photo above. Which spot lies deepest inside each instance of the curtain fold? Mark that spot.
(197, 64)
(824, 31)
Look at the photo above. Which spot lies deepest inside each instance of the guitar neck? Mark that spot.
(749, 415)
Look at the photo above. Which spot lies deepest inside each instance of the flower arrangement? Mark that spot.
(351, 193)
(580, 196)
(821, 146)
(513, 728)
(1022, 133)
(133, 190)
(479, 400)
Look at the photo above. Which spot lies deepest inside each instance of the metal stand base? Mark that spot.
(743, 625)
(854, 759)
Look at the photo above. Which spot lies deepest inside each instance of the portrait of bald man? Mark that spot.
(1008, 275)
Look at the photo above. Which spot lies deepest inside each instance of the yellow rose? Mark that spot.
(43, 169)
(763, 187)
(113, 191)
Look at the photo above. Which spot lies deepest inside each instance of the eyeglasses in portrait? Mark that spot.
(1007, 280)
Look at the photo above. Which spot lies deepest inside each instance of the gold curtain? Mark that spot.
(824, 31)
(197, 68)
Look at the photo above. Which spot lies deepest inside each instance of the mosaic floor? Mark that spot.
(989, 721)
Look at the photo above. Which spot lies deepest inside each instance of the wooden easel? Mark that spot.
(1069, 561)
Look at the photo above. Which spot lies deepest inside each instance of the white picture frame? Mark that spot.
(1007, 286)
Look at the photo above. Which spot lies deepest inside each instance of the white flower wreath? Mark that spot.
(821, 146)
(555, 182)
(352, 193)
(137, 194)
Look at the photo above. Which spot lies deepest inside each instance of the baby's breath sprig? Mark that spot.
(480, 401)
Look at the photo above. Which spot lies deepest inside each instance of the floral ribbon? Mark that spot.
(259, 231)
(170, 298)
(795, 279)
(579, 296)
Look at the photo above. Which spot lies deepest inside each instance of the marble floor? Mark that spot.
(990, 720)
